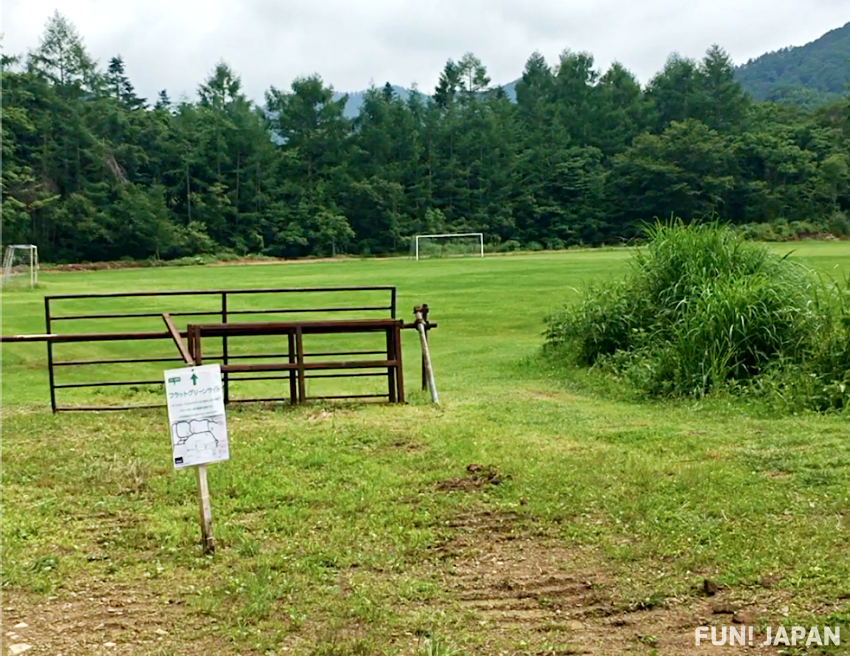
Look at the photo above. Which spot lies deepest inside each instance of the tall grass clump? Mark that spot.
(700, 308)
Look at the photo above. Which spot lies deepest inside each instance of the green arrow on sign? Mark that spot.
(194, 379)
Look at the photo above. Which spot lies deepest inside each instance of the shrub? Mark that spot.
(702, 307)
(839, 224)
(781, 230)
(759, 232)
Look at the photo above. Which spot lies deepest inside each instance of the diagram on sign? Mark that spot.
(198, 434)
(196, 415)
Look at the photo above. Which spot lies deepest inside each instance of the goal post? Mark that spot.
(472, 241)
(20, 257)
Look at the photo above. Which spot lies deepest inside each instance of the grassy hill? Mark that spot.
(808, 75)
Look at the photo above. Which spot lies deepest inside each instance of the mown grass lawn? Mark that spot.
(589, 525)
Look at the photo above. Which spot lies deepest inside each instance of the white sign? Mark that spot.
(195, 400)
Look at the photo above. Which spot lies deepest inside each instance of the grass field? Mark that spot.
(589, 527)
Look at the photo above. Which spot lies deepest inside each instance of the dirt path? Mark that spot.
(509, 586)
(532, 593)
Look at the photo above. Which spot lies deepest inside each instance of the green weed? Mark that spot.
(701, 309)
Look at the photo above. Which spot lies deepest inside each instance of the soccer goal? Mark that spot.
(19, 260)
(449, 245)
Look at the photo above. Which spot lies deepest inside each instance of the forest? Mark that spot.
(93, 172)
(810, 75)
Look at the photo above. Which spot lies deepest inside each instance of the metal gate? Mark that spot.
(217, 308)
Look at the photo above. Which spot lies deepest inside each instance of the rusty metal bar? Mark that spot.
(331, 354)
(363, 308)
(197, 355)
(232, 356)
(225, 378)
(208, 292)
(178, 341)
(253, 356)
(359, 374)
(306, 327)
(391, 383)
(132, 315)
(247, 356)
(99, 408)
(109, 383)
(299, 359)
(287, 366)
(311, 376)
(424, 370)
(241, 378)
(95, 337)
(349, 396)
(190, 343)
(77, 363)
(399, 367)
(293, 383)
(278, 400)
(351, 364)
(50, 372)
(268, 366)
(88, 337)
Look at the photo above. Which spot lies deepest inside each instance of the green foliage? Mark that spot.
(436, 647)
(93, 172)
(703, 309)
(839, 224)
(782, 230)
(686, 169)
(809, 75)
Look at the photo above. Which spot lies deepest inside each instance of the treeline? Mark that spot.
(93, 172)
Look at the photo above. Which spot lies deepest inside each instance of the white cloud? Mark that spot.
(175, 44)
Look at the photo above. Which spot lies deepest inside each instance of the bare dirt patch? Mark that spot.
(531, 594)
(477, 477)
(99, 620)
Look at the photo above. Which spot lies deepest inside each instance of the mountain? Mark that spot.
(356, 98)
(808, 75)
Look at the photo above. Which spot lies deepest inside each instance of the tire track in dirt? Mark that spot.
(531, 594)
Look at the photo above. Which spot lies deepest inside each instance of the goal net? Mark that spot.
(449, 245)
(20, 265)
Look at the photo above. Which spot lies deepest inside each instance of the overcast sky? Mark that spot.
(174, 44)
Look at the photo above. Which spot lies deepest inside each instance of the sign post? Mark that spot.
(195, 399)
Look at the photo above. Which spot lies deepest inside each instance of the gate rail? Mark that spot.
(223, 313)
